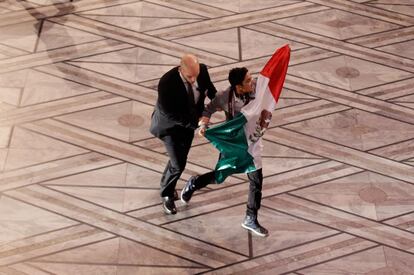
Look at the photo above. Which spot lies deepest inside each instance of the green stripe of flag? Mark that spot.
(230, 139)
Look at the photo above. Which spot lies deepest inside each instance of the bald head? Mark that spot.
(189, 67)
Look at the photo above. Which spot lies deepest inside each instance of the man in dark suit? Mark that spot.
(181, 94)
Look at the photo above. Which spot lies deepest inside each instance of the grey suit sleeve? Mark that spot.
(218, 103)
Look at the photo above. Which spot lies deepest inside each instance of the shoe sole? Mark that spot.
(168, 212)
(181, 197)
(254, 231)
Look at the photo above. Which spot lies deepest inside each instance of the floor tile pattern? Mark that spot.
(79, 171)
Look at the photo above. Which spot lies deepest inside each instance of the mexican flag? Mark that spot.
(239, 140)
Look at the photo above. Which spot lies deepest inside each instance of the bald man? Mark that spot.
(180, 103)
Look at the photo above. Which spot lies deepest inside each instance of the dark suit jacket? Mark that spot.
(172, 112)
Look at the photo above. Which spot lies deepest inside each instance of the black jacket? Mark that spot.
(172, 111)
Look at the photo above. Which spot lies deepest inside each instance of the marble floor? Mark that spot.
(80, 172)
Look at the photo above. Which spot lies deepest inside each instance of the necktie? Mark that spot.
(192, 106)
(190, 93)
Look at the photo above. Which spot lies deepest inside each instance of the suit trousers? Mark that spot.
(255, 188)
(178, 145)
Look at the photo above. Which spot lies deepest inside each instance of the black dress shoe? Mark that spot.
(188, 190)
(169, 206)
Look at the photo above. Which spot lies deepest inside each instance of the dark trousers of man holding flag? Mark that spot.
(254, 196)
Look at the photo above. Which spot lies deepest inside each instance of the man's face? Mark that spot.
(246, 85)
(190, 73)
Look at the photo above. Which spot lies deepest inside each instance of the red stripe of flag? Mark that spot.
(276, 69)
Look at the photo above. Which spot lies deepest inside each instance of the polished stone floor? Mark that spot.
(80, 172)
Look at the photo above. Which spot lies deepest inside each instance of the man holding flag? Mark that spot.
(248, 106)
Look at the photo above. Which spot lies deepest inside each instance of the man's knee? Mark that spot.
(178, 166)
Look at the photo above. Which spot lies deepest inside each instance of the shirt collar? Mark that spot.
(185, 80)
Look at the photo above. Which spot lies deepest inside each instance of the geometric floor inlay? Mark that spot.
(80, 172)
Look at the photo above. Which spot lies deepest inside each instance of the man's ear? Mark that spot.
(238, 87)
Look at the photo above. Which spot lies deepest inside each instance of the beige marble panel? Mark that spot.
(391, 90)
(399, 7)
(368, 229)
(12, 5)
(132, 73)
(6, 51)
(221, 42)
(48, 2)
(305, 111)
(118, 199)
(120, 175)
(407, 99)
(347, 73)
(406, 104)
(241, 6)
(385, 38)
(298, 257)
(405, 49)
(50, 242)
(368, 11)
(357, 129)
(140, 39)
(14, 81)
(391, 2)
(57, 36)
(141, 24)
(276, 165)
(223, 228)
(53, 169)
(28, 148)
(117, 251)
(255, 44)
(400, 151)
(154, 144)
(128, 227)
(343, 154)
(133, 55)
(5, 134)
(9, 97)
(366, 194)
(200, 9)
(287, 102)
(20, 220)
(379, 260)
(41, 87)
(106, 83)
(58, 107)
(236, 20)
(337, 24)
(337, 46)
(141, 8)
(128, 121)
(405, 222)
(68, 269)
(290, 94)
(26, 269)
(24, 14)
(3, 157)
(57, 55)
(350, 99)
(22, 36)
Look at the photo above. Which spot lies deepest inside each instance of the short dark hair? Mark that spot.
(236, 76)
